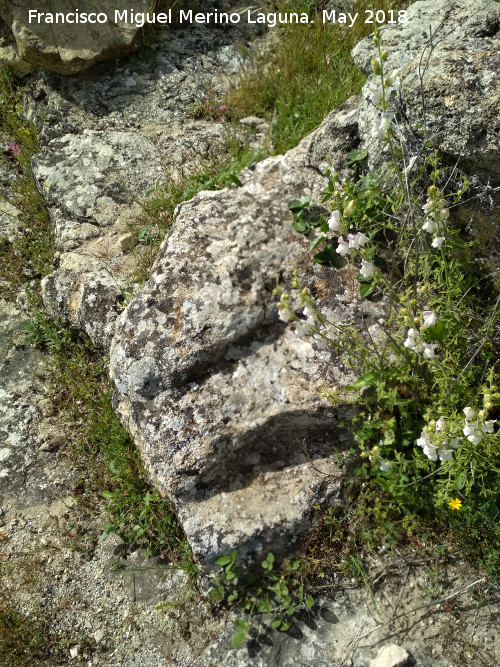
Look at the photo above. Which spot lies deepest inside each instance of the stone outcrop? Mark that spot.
(450, 88)
(107, 139)
(68, 47)
(222, 400)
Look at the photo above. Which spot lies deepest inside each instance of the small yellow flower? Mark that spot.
(455, 504)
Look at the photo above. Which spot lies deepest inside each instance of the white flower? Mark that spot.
(334, 223)
(428, 349)
(375, 95)
(411, 162)
(429, 226)
(321, 342)
(470, 414)
(412, 333)
(488, 426)
(383, 124)
(362, 239)
(469, 429)
(443, 214)
(385, 466)
(475, 438)
(357, 241)
(391, 80)
(284, 314)
(367, 269)
(440, 424)
(424, 439)
(343, 247)
(438, 241)
(309, 311)
(302, 329)
(445, 454)
(431, 452)
(429, 319)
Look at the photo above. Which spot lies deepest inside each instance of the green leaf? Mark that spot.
(356, 156)
(309, 602)
(241, 625)
(144, 232)
(216, 594)
(316, 242)
(460, 480)
(295, 564)
(108, 528)
(223, 560)
(238, 638)
(301, 226)
(276, 624)
(270, 558)
(285, 626)
(370, 379)
(328, 255)
(365, 289)
(108, 494)
(235, 180)
(437, 331)
(295, 205)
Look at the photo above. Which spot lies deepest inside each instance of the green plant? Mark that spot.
(30, 255)
(101, 447)
(426, 395)
(308, 73)
(217, 169)
(273, 595)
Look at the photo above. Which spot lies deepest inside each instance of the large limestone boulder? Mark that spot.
(450, 88)
(69, 47)
(222, 399)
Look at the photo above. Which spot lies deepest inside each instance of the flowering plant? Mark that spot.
(427, 370)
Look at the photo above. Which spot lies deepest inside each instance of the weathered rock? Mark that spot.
(107, 139)
(392, 656)
(449, 83)
(71, 47)
(222, 399)
(88, 299)
(9, 56)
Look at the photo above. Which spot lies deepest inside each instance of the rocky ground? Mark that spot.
(100, 604)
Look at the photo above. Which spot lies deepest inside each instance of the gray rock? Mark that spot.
(449, 83)
(9, 56)
(221, 399)
(392, 656)
(107, 139)
(73, 47)
(90, 301)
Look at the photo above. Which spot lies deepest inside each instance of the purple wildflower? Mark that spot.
(14, 148)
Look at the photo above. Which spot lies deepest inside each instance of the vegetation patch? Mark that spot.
(29, 256)
(306, 74)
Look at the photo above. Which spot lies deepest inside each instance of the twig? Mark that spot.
(424, 606)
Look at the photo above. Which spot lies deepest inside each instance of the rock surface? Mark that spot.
(449, 85)
(107, 138)
(69, 47)
(198, 358)
(222, 400)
